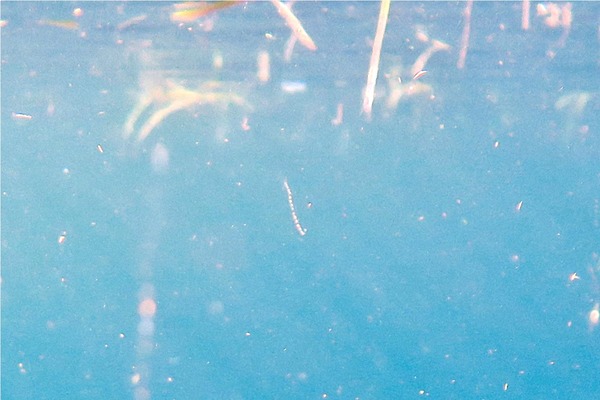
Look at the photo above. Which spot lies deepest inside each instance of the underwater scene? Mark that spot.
(300, 200)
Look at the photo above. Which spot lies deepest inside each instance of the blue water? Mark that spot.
(419, 274)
